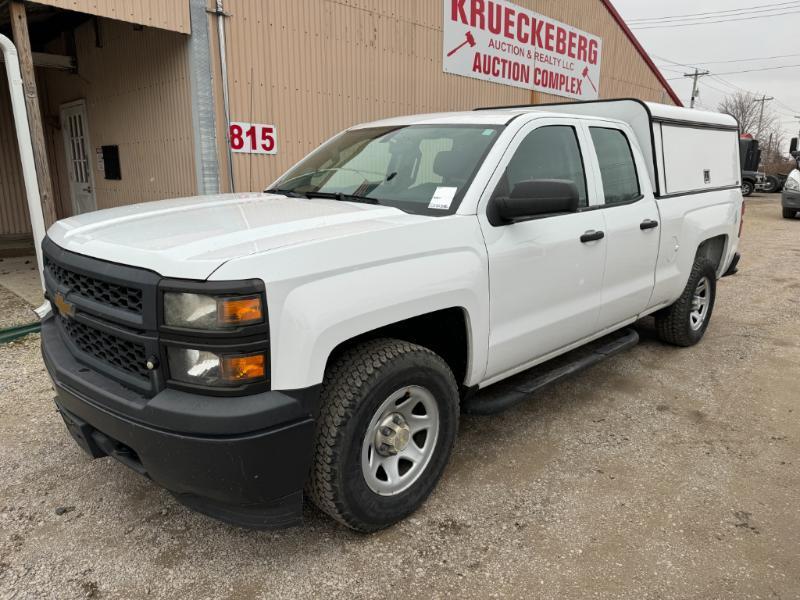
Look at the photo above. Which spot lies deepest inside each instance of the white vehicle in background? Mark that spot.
(790, 196)
(324, 335)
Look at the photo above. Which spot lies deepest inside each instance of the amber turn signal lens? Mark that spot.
(240, 311)
(243, 368)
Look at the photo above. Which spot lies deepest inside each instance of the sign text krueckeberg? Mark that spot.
(504, 43)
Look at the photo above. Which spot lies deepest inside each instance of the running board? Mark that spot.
(509, 392)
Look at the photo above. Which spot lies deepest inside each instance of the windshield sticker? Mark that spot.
(443, 198)
(487, 132)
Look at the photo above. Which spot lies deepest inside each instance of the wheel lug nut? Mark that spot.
(387, 431)
(386, 449)
(397, 419)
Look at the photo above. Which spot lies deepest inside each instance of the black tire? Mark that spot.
(355, 386)
(771, 184)
(747, 187)
(673, 324)
(789, 213)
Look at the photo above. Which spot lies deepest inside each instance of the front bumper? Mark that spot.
(243, 460)
(790, 199)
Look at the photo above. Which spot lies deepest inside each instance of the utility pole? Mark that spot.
(696, 75)
(19, 28)
(763, 100)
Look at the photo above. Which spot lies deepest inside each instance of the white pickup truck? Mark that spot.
(322, 337)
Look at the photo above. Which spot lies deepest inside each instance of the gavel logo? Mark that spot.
(470, 40)
(589, 79)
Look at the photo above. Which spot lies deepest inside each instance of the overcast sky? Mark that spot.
(707, 44)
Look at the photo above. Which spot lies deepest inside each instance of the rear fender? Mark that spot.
(685, 227)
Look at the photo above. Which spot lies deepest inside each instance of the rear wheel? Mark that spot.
(747, 188)
(771, 184)
(387, 424)
(788, 213)
(685, 322)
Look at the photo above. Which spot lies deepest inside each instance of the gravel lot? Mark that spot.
(661, 473)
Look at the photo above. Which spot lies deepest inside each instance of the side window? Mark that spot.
(617, 168)
(550, 152)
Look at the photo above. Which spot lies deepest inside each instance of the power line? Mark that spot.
(787, 107)
(668, 70)
(747, 71)
(760, 69)
(724, 62)
(739, 60)
(673, 62)
(730, 85)
(716, 89)
(711, 13)
(746, 18)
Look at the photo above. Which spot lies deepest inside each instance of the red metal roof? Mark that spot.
(621, 22)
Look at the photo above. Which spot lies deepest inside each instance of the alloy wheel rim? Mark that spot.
(701, 298)
(400, 440)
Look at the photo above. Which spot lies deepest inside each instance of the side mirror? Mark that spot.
(534, 198)
(793, 147)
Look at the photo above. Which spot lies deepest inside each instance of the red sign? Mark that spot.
(497, 41)
(252, 138)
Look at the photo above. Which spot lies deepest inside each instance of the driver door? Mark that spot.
(545, 283)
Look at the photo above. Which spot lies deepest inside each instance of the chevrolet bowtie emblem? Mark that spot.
(65, 309)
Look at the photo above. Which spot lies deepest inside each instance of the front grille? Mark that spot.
(118, 296)
(122, 354)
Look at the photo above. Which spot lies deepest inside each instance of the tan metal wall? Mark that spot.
(314, 67)
(13, 208)
(172, 15)
(137, 93)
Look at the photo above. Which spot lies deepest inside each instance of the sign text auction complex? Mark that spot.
(504, 43)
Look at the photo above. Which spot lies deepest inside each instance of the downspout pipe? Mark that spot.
(223, 63)
(203, 119)
(25, 148)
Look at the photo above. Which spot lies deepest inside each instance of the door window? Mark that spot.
(617, 167)
(550, 152)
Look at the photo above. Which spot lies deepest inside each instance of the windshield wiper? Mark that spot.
(287, 193)
(331, 195)
(341, 197)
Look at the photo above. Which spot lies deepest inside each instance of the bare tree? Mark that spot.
(745, 107)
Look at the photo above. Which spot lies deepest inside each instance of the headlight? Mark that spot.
(202, 367)
(200, 311)
(792, 185)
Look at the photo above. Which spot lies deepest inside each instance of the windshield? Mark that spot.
(422, 169)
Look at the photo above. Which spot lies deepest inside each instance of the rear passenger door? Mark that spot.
(631, 223)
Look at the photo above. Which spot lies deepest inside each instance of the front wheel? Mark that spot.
(747, 188)
(387, 424)
(684, 322)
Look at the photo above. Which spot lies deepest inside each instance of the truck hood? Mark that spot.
(192, 237)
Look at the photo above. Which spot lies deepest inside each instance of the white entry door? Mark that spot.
(79, 167)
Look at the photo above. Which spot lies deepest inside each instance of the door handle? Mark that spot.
(592, 236)
(648, 224)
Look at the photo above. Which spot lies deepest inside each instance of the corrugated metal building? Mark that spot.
(132, 92)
